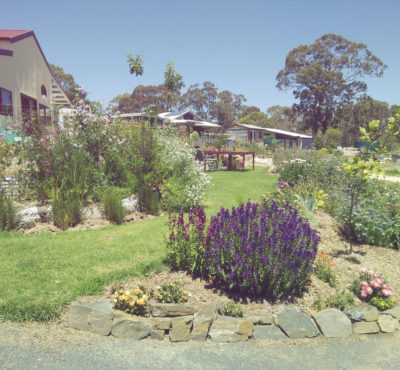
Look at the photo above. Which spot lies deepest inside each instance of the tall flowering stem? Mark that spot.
(264, 250)
(185, 247)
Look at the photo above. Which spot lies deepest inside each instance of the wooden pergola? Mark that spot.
(229, 154)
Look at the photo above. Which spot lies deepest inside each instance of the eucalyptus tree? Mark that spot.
(326, 75)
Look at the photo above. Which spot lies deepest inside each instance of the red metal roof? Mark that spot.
(14, 35)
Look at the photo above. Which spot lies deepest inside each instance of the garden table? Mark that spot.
(229, 154)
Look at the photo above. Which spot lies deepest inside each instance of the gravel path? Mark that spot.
(21, 347)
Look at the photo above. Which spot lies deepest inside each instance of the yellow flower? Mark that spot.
(144, 296)
(141, 302)
(131, 303)
(121, 291)
(126, 292)
(135, 298)
(138, 291)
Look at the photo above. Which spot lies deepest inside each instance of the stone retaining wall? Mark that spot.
(184, 322)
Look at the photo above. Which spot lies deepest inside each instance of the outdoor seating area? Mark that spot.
(229, 159)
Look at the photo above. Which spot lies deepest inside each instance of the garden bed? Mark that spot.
(346, 267)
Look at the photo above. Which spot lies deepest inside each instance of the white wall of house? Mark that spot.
(24, 73)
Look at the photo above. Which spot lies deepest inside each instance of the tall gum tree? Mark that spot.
(326, 75)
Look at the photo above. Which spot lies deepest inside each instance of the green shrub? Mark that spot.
(8, 215)
(185, 247)
(340, 300)
(171, 293)
(233, 309)
(323, 270)
(67, 210)
(376, 219)
(112, 208)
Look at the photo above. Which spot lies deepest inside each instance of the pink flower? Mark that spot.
(363, 270)
(376, 283)
(371, 273)
(367, 289)
(363, 282)
(387, 292)
(363, 294)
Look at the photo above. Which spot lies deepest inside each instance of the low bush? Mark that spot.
(133, 301)
(263, 250)
(112, 208)
(8, 214)
(185, 247)
(67, 210)
(232, 309)
(323, 270)
(372, 287)
(340, 300)
(376, 219)
(171, 293)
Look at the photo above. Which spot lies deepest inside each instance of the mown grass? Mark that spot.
(41, 274)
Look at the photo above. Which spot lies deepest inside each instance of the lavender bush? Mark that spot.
(263, 250)
(185, 247)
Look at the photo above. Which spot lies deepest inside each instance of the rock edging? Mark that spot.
(184, 322)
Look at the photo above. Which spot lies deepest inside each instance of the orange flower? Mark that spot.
(322, 255)
(331, 263)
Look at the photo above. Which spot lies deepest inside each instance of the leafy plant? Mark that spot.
(8, 215)
(373, 288)
(263, 250)
(185, 247)
(340, 300)
(323, 270)
(112, 207)
(67, 210)
(133, 301)
(171, 293)
(233, 309)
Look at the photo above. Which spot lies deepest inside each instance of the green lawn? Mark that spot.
(42, 273)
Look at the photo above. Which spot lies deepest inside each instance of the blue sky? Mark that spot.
(238, 45)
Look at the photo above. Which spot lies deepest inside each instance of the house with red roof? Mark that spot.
(27, 85)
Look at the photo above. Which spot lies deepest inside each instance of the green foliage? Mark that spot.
(340, 300)
(67, 209)
(171, 293)
(185, 247)
(326, 75)
(8, 214)
(135, 64)
(112, 208)
(323, 270)
(257, 119)
(233, 309)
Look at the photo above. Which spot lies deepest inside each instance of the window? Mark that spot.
(28, 107)
(260, 135)
(6, 108)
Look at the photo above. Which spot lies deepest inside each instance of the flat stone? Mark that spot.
(262, 319)
(201, 327)
(208, 311)
(365, 327)
(333, 323)
(130, 329)
(296, 324)
(229, 330)
(160, 323)
(388, 324)
(28, 215)
(171, 309)
(157, 334)
(95, 317)
(268, 332)
(362, 313)
(78, 316)
(131, 204)
(181, 329)
(394, 312)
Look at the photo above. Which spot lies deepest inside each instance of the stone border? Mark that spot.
(184, 322)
